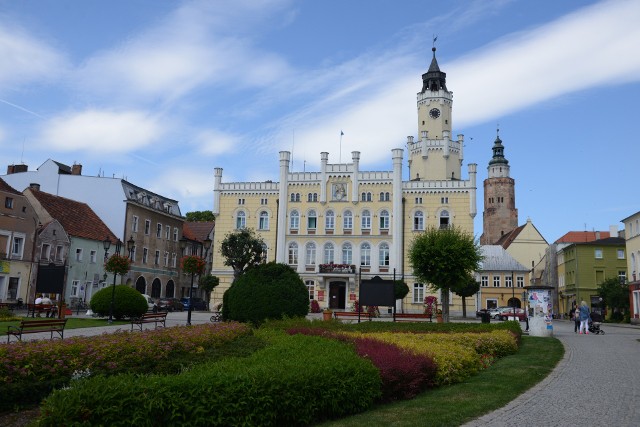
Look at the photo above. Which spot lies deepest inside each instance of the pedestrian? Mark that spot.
(584, 317)
(575, 316)
(47, 301)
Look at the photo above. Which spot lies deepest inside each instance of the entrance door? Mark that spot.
(337, 295)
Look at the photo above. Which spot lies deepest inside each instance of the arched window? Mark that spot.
(365, 255)
(347, 220)
(264, 221)
(418, 220)
(365, 219)
(386, 196)
(312, 220)
(294, 220)
(347, 254)
(363, 197)
(293, 197)
(328, 253)
(293, 253)
(329, 220)
(444, 219)
(383, 255)
(311, 288)
(310, 254)
(384, 219)
(241, 220)
(369, 197)
(382, 196)
(297, 197)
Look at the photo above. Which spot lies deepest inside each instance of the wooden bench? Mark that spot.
(149, 318)
(351, 315)
(32, 309)
(35, 326)
(411, 317)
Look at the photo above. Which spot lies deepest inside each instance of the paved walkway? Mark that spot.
(596, 384)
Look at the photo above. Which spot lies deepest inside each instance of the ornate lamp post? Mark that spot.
(113, 288)
(192, 264)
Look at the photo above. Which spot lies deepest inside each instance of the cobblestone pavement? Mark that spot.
(596, 384)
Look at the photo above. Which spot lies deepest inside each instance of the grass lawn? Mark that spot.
(72, 323)
(457, 404)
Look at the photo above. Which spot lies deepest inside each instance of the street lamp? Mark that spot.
(513, 296)
(113, 289)
(130, 245)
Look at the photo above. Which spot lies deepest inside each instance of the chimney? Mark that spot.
(597, 235)
(613, 231)
(76, 170)
(34, 186)
(11, 169)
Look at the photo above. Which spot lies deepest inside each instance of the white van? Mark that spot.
(151, 303)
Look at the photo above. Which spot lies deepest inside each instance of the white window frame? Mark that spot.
(519, 281)
(385, 219)
(75, 286)
(145, 255)
(79, 254)
(147, 227)
(93, 256)
(167, 233)
(365, 255)
(310, 254)
(347, 253)
(156, 258)
(496, 281)
(241, 220)
(166, 259)
(365, 220)
(175, 234)
(598, 253)
(329, 253)
(383, 255)
(292, 250)
(418, 221)
(312, 220)
(484, 281)
(17, 245)
(263, 221)
(158, 230)
(508, 282)
(294, 220)
(418, 293)
(134, 224)
(329, 220)
(347, 220)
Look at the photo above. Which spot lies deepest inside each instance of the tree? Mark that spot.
(444, 258)
(615, 295)
(242, 250)
(200, 216)
(467, 288)
(208, 283)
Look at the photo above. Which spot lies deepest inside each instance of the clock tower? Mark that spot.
(500, 215)
(435, 156)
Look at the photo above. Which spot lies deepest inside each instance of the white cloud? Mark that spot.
(25, 59)
(213, 142)
(101, 131)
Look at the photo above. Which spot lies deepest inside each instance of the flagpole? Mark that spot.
(340, 155)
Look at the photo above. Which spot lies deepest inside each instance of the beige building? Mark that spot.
(341, 224)
(632, 238)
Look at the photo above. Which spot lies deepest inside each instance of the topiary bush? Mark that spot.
(127, 302)
(267, 291)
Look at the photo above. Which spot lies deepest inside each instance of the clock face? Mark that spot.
(434, 113)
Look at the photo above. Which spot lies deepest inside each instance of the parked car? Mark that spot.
(170, 304)
(152, 306)
(480, 312)
(495, 312)
(520, 313)
(198, 303)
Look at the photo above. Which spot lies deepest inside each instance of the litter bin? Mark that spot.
(486, 317)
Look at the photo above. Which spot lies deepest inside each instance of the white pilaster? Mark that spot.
(217, 173)
(283, 207)
(473, 172)
(355, 156)
(397, 231)
(324, 158)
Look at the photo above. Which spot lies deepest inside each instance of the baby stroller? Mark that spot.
(594, 324)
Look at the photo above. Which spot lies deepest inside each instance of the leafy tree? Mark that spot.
(208, 283)
(615, 295)
(200, 216)
(242, 250)
(467, 288)
(400, 289)
(444, 258)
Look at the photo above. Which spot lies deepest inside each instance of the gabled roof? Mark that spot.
(77, 218)
(506, 239)
(496, 258)
(197, 230)
(583, 236)
(7, 188)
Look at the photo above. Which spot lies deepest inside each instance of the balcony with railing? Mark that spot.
(337, 269)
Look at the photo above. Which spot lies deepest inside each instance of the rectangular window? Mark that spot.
(175, 234)
(79, 254)
(444, 200)
(93, 255)
(133, 254)
(620, 253)
(174, 260)
(598, 253)
(58, 253)
(145, 255)
(156, 259)
(622, 276)
(484, 281)
(418, 200)
(159, 230)
(17, 247)
(496, 281)
(311, 288)
(508, 281)
(263, 201)
(8, 203)
(134, 224)
(166, 259)
(74, 288)
(167, 233)
(45, 252)
(241, 201)
(147, 227)
(418, 293)
(520, 281)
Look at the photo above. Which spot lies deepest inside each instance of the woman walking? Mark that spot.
(584, 318)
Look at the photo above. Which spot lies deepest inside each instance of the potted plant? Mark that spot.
(327, 313)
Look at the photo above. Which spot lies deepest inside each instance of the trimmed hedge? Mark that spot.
(296, 380)
(127, 302)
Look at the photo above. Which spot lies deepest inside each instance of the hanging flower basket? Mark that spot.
(117, 264)
(192, 264)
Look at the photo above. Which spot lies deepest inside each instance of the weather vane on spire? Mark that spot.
(434, 40)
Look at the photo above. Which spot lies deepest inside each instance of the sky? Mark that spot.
(162, 92)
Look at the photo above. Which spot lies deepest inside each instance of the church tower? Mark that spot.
(435, 156)
(500, 214)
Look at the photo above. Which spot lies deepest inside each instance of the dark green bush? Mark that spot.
(127, 302)
(296, 380)
(267, 291)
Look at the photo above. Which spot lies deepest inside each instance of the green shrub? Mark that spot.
(295, 380)
(127, 302)
(267, 291)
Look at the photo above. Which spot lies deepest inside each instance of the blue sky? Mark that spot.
(161, 92)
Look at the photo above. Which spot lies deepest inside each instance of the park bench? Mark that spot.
(351, 315)
(410, 317)
(32, 309)
(36, 326)
(155, 318)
